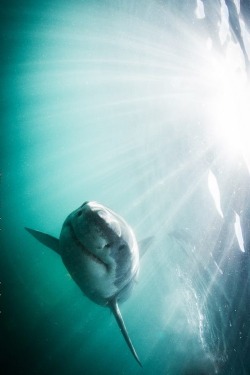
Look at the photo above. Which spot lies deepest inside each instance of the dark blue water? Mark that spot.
(123, 103)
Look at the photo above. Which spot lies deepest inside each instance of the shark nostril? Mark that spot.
(79, 213)
(108, 245)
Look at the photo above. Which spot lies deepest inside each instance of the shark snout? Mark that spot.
(82, 209)
(84, 204)
(91, 208)
(97, 228)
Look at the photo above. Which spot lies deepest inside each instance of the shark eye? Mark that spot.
(122, 247)
(79, 213)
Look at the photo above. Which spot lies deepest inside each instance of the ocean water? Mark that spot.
(123, 103)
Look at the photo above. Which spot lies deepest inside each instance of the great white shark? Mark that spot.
(100, 251)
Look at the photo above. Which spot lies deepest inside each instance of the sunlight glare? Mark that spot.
(238, 232)
(214, 191)
(230, 105)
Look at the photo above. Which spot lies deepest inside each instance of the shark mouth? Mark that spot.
(94, 257)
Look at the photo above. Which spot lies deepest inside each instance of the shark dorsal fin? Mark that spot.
(116, 311)
(46, 239)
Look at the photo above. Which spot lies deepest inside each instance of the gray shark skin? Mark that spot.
(100, 251)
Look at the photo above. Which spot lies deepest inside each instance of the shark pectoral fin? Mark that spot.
(144, 245)
(115, 309)
(45, 239)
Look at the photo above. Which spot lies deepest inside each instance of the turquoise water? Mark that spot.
(109, 101)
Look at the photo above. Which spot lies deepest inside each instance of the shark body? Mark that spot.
(100, 251)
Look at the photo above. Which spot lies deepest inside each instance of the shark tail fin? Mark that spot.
(116, 311)
(45, 239)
